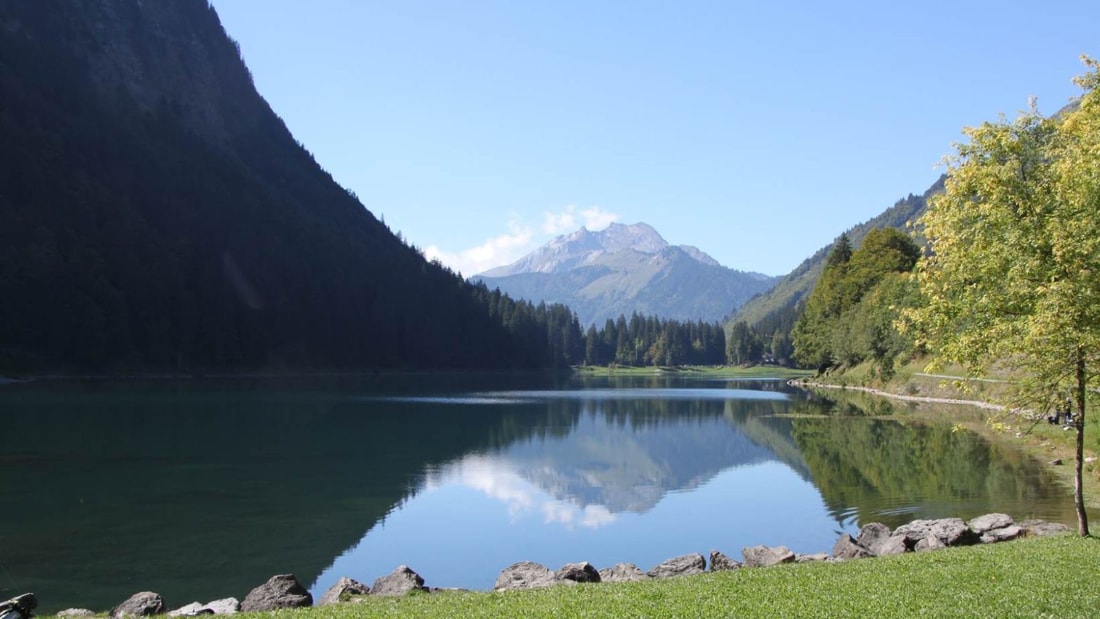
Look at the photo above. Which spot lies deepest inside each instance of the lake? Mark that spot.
(203, 489)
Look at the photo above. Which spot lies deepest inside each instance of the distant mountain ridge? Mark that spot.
(625, 269)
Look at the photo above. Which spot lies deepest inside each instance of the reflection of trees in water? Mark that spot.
(888, 471)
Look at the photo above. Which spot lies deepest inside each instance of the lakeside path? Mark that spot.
(899, 396)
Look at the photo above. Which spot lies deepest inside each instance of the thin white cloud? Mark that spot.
(594, 218)
(502, 249)
(520, 239)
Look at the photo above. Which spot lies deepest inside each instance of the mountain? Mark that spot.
(624, 269)
(156, 215)
(780, 305)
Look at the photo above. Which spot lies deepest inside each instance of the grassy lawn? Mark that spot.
(1044, 577)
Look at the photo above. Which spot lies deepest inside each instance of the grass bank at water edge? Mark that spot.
(1043, 577)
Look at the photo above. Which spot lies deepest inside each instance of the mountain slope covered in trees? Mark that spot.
(157, 215)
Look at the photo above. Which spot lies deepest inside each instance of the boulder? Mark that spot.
(847, 548)
(929, 543)
(524, 575)
(981, 524)
(685, 565)
(720, 562)
(224, 606)
(949, 531)
(764, 556)
(811, 558)
(894, 545)
(577, 572)
(873, 535)
(140, 605)
(622, 572)
(401, 581)
(342, 590)
(190, 610)
(1002, 534)
(76, 612)
(1039, 528)
(281, 591)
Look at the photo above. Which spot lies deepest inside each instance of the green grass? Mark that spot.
(1045, 577)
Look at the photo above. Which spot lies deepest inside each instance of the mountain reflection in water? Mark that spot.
(204, 489)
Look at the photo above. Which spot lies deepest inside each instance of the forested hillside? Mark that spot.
(768, 318)
(157, 215)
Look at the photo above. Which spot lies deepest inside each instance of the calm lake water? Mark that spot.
(203, 489)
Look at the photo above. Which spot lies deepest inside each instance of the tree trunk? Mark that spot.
(1078, 495)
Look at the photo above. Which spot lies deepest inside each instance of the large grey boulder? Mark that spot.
(193, 609)
(847, 548)
(894, 545)
(811, 558)
(524, 575)
(281, 591)
(948, 531)
(684, 565)
(1002, 534)
(1040, 528)
(342, 590)
(931, 542)
(988, 522)
(140, 605)
(401, 581)
(765, 556)
(224, 606)
(719, 562)
(577, 572)
(73, 612)
(872, 535)
(622, 572)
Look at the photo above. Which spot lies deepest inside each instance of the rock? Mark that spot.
(720, 562)
(878, 538)
(1090, 460)
(981, 524)
(76, 612)
(140, 605)
(929, 543)
(847, 548)
(1056, 462)
(342, 590)
(685, 565)
(577, 572)
(224, 606)
(949, 531)
(894, 545)
(281, 591)
(805, 558)
(873, 535)
(1040, 528)
(524, 575)
(764, 556)
(622, 572)
(190, 610)
(401, 581)
(1002, 534)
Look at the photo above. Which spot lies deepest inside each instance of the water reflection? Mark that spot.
(204, 489)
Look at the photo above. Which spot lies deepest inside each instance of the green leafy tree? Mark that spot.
(1014, 274)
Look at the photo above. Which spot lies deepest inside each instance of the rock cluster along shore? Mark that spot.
(284, 591)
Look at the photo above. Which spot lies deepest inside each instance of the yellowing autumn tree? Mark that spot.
(1013, 277)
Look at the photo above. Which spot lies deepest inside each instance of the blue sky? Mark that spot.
(756, 131)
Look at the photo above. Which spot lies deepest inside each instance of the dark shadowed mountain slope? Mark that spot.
(625, 269)
(155, 214)
(781, 303)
